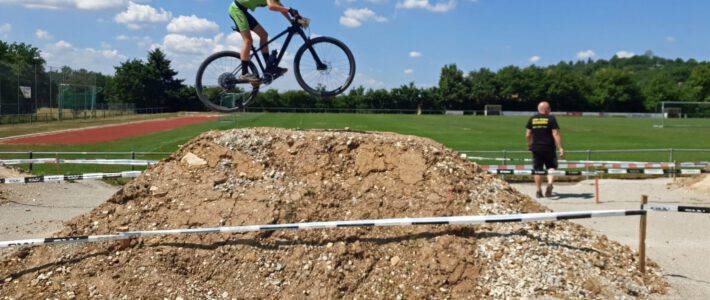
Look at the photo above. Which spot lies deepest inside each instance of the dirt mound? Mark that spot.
(698, 183)
(263, 176)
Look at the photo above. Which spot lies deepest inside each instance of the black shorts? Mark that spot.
(544, 160)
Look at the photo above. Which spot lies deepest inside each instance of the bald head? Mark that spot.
(544, 108)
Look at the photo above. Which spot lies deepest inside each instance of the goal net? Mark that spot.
(77, 100)
(493, 110)
(684, 114)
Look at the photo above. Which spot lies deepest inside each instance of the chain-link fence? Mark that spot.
(38, 93)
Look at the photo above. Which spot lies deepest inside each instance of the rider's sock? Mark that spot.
(245, 67)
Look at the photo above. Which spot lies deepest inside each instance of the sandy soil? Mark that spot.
(39, 210)
(677, 242)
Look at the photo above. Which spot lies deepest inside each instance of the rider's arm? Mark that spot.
(274, 5)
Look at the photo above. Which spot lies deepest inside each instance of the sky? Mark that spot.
(394, 41)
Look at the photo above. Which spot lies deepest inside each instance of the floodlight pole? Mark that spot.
(35, 91)
(18, 88)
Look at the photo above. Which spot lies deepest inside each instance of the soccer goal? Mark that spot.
(680, 114)
(77, 100)
(493, 110)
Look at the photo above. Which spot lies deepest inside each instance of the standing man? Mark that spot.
(542, 135)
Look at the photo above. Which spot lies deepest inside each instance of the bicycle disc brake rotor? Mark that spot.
(227, 81)
(325, 68)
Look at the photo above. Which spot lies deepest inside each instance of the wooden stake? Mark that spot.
(642, 238)
(596, 187)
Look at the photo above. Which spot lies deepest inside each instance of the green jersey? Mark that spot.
(253, 4)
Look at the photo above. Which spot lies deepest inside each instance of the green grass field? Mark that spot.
(456, 132)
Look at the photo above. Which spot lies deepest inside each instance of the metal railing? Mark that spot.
(672, 152)
(133, 155)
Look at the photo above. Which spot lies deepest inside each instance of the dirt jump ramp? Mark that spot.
(271, 176)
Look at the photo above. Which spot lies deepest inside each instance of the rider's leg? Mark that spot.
(263, 41)
(263, 44)
(246, 51)
(242, 21)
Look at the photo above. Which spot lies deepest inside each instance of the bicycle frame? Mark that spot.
(289, 32)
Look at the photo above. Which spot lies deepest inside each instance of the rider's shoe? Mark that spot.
(278, 71)
(249, 77)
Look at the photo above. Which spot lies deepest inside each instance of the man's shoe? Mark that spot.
(249, 77)
(548, 191)
(278, 71)
(539, 194)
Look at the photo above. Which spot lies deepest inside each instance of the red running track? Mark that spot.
(109, 133)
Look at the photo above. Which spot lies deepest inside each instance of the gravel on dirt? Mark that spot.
(269, 176)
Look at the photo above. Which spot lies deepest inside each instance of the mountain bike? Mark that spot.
(323, 66)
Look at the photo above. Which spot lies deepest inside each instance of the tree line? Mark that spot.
(635, 83)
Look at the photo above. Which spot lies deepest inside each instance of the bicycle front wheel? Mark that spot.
(324, 67)
(218, 85)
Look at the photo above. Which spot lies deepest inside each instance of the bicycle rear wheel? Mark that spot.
(218, 85)
(324, 67)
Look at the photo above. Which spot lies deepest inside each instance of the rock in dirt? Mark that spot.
(193, 160)
(270, 176)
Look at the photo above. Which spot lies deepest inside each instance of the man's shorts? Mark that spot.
(544, 160)
(242, 18)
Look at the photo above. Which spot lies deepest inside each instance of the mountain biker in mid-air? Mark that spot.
(245, 23)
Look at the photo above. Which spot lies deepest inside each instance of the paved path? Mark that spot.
(678, 242)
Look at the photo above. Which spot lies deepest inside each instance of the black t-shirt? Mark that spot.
(542, 126)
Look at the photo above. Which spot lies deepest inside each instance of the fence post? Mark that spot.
(133, 157)
(31, 156)
(642, 238)
(596, 187)
(670, 159)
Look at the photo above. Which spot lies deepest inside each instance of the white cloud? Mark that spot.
(353, 18)
(408, 71)
(63, 53)
(586, 54)
(670, 39)
(138, 16)
(441, 6)
(415, 54)
(67, 4)
(5, 28)
(625, 54)
(184, 24)
(346, 2)
(535, 59)
(43, 35)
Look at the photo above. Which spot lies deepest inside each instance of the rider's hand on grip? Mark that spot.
(305, 22)
(293, 12)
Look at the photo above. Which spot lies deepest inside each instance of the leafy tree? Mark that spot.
(699, 83)
(613, 90)
(162, 84)
(452, 89)
(483, 87)
(130, 83)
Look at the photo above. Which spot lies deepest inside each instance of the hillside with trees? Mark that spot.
(632, 84)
